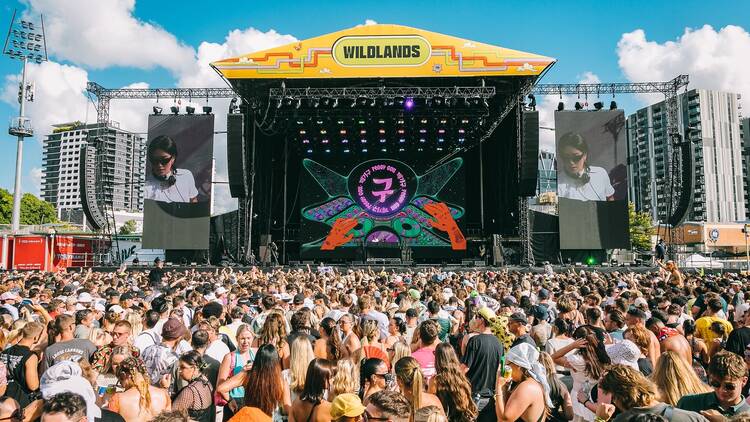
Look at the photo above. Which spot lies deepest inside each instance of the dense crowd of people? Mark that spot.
(351, 345)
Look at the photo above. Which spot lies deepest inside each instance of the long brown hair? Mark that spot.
(333, 343)
(594, 354)
(273, 331)
(451, 385)
(263, 388)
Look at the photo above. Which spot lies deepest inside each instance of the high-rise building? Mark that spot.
(711, 121)
(547, 172)
(123, 158)
(745, 137)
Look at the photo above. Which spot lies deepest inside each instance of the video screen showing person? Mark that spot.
(592, 179)
(165, 182)
(579, 178)
(177, 189)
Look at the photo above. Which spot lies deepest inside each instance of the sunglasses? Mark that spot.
(17, 415)
(728, 386)
(160, 160)
(368, 417)
(572, 157)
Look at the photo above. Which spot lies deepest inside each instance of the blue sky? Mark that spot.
(582, 35)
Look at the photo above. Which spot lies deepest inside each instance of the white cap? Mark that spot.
(85, 297)
(220, 290)
(639, 301)
(116, 309)
(99, 307)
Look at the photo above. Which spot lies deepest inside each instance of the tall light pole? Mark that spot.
(26, 42)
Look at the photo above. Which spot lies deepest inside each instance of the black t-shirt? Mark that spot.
(109, 416)
(154, 277)
(738, 340)
(482, 357)
(524, 339)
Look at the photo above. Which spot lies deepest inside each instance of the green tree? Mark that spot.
(33, 209)
(36, 211)
(641, 228)
(128, 227)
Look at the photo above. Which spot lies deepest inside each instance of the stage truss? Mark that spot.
(276, 95)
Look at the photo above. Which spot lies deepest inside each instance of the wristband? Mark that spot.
(598, 419)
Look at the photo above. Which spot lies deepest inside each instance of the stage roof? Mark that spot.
(383, 51)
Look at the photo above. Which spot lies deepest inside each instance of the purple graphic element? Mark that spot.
(382, 236)
(382, 187)
(409, 103)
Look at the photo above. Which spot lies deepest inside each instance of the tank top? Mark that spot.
(15, 358)
(239, 365)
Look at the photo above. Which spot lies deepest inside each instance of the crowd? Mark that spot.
(416, 345)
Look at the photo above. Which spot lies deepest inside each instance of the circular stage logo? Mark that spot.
(382, 187)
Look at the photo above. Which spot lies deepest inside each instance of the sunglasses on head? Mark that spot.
(160, 160)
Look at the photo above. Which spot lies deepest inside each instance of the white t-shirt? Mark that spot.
(597, 189)
(183, 190)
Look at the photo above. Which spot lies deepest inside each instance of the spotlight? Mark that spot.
(578, 105)
(314, 102)
(409, 103)
(560, 106)
(613, 105)
(190, 109)
(335, 103)
(532, 103)
(299, 103)
(287, 101)
(438, 101)
(361, 101)
(399, 101)
(175, 109)
(157, 110)
(598, 105)
(207, 109)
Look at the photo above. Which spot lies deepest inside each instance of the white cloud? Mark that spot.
(369, 22)
(36, 180)
(59, 95)
(713, 59)
(104, 33)
(548, 105)
(236, 43)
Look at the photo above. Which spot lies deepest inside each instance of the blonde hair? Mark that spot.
(409, 373)
(400, 350)
(301, 355)
(429, 414)
(99, 337)
(675, 378)
(136, 322)
(346, 378)
(370, 332)
(16, 330)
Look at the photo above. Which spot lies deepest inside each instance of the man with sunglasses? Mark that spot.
(727, 374)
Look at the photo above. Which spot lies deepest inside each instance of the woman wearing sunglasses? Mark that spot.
(165, 182)
(579, 180)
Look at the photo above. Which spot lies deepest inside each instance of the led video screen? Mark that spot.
(177, 191)
(381, 202)
(592, 179)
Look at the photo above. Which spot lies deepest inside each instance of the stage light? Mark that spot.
(157, 110)
(438, 101)
(305, 141)
(422, 140)
(382, 141)
(207, 109)
(578, 106)
(399, 101)
(302, 132)
(175, 109)
(409, 103)
(299, 103)
(384, 149)
(422, 130)
(314, 102)
(598, 105)
(373, 102)
(361, 101)
(441, 140)
(328, 150)
(560, 106)
(591, 261)
(326, 101)
(190, 109)
(325, 141)
(364, 149)
(532, 102)
(286, 102)
(309, 151)
(461, 140)
(402, 141)
(335, 103)
(344, 141)
(346, 150)
(342, 131)
(323, 131)
(364, 141)
(613, 105)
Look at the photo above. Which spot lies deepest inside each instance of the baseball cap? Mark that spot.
(128, 296)
(173, 329)
(299, 299)
(8, 296)
(639, 301)
(84, 297)
(518, 317)
(543, 294)
(540, 312)
(117, 309)
(348, 405)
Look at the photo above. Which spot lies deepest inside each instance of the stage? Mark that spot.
(381, 141)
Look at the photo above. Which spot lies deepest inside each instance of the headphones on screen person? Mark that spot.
(169, 179)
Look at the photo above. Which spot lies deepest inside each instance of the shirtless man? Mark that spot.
(670, 339)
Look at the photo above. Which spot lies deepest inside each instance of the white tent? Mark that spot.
(700, 261)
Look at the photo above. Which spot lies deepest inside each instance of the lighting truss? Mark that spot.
(383, 92)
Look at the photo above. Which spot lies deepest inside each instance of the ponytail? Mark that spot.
(333, 344)
(409, 373)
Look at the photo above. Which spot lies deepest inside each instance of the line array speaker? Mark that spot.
(237, 155)
(529, 153)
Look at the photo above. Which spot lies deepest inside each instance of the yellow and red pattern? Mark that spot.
(447, 57)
